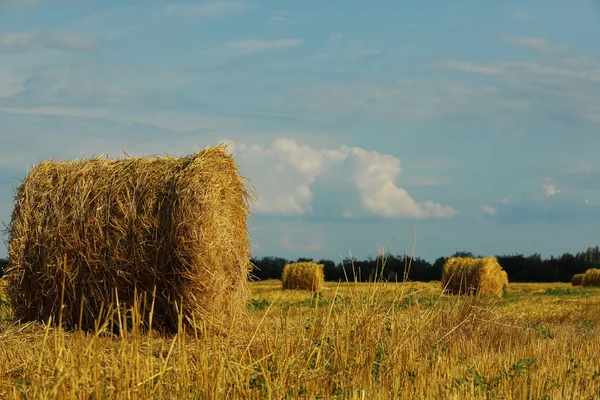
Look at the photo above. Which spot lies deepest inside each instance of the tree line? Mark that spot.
(391, 267)
(520, 268)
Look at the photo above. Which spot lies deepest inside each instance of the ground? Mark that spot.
(363, 341)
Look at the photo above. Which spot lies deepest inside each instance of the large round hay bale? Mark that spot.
(106, 228)
(591, 277)
(303, 276)
(577, 280)
(477, 276)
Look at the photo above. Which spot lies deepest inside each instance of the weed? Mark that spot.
(258, 305)
(542, 331)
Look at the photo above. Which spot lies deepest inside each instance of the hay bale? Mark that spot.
(113, 227)
(591, 277)
(577, 279)
(478, 276)
(303, 276)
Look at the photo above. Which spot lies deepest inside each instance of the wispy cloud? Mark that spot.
(74, 42)
(9, 84)
(209, 8)
(17, 4)
(34, 38)
(563, 91)
(303, 239)
(535, 43)
(282, 16)
(254, 46)
(21, 39)
(472, 68)
(335, 37)
(523, 15)
(61, 111)
(488, 210)
(552, 211)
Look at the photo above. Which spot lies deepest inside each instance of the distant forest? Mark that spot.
(520, 268)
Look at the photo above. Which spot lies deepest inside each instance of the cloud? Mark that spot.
(282, 16)
(249, 46)
(34, 38)
(9, 84)
(275, 19)
(553, 211)
(472, 68)
(62, 111)
(548, 188)
(362, 56)
(302, 240)
(374, 176)
(285, 172)
(488, 210)
(426, 181)
(17, 4)
(516, 97)
(535, 43)
(577, 174)
(209, 8)
(523, 15)
(74, 42)
(21, 39)
(334, 37)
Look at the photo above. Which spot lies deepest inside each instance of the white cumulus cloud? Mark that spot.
(374, 177)
(284, 171)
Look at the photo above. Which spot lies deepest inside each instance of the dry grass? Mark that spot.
(88, 235)
(303, 276)
(467, 275)
(356, 341)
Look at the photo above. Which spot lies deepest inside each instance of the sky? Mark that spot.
(473, 125)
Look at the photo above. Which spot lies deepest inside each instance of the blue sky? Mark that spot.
(475, 124)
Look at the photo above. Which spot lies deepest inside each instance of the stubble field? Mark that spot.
(353, 341)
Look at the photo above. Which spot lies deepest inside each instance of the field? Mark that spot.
(353, 341)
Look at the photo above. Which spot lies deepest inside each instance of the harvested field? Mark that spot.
(375, 341)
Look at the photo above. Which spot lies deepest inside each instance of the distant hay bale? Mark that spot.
(577, 280)
(591, 277)
(108, 228)
(303, 276)
(474, 276)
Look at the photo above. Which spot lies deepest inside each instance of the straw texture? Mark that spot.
(474, 276)
(304, 276)
(577, 280)
(100, 231)
(591, 277)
